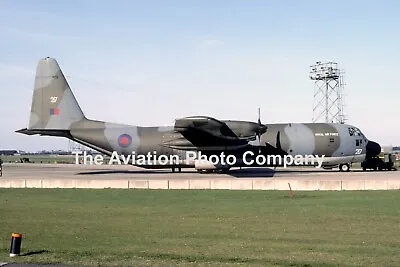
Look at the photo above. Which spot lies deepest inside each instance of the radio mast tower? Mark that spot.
(328, 92)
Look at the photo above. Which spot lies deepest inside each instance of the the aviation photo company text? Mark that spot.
(248, 158)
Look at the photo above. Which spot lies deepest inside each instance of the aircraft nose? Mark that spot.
(372, 149)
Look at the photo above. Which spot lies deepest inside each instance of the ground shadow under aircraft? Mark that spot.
(271, 172)
(259, 172)
(238, 173)
(145, 171)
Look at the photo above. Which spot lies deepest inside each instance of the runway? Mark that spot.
(118, 172)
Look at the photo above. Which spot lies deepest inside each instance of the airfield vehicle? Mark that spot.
(383, 162)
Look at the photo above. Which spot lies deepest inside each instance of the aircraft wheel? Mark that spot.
(344, 167)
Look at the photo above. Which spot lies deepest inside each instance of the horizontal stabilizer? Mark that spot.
(45, 132)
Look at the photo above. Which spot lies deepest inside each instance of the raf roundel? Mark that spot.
(124, 140)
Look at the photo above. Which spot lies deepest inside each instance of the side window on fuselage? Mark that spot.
(359, 142)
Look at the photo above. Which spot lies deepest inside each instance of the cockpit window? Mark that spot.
(354, 131)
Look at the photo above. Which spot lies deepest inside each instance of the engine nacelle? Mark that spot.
(208, 165)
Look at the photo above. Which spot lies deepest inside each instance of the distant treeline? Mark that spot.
(60, 152)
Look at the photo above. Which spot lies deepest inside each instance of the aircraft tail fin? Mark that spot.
(54, 106)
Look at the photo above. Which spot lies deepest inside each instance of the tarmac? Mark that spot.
(117, 172)
(31, 175)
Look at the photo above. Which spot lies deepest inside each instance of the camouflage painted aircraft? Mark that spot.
(55, 112)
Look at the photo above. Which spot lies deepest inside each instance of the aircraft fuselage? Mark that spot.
(337, 143)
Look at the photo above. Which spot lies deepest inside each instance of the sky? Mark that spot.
(149, 62)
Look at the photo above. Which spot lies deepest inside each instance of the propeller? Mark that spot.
(261, 129)
(278, 140)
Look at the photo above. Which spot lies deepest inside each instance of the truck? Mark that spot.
(385, 161)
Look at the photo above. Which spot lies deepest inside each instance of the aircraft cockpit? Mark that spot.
(353, 131)
(359, 136)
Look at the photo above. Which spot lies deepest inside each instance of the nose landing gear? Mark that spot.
(344, 167)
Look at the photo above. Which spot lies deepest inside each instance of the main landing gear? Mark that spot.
(344, 167)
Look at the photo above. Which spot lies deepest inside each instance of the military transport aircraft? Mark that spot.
(55, 112)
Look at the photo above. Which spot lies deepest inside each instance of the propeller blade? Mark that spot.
(262, 129)
(278, 140)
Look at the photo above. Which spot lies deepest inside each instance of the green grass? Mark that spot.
(201, 228)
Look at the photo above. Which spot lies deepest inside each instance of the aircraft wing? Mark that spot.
(206, 133)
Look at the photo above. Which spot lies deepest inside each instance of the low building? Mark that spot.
(8, 152)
